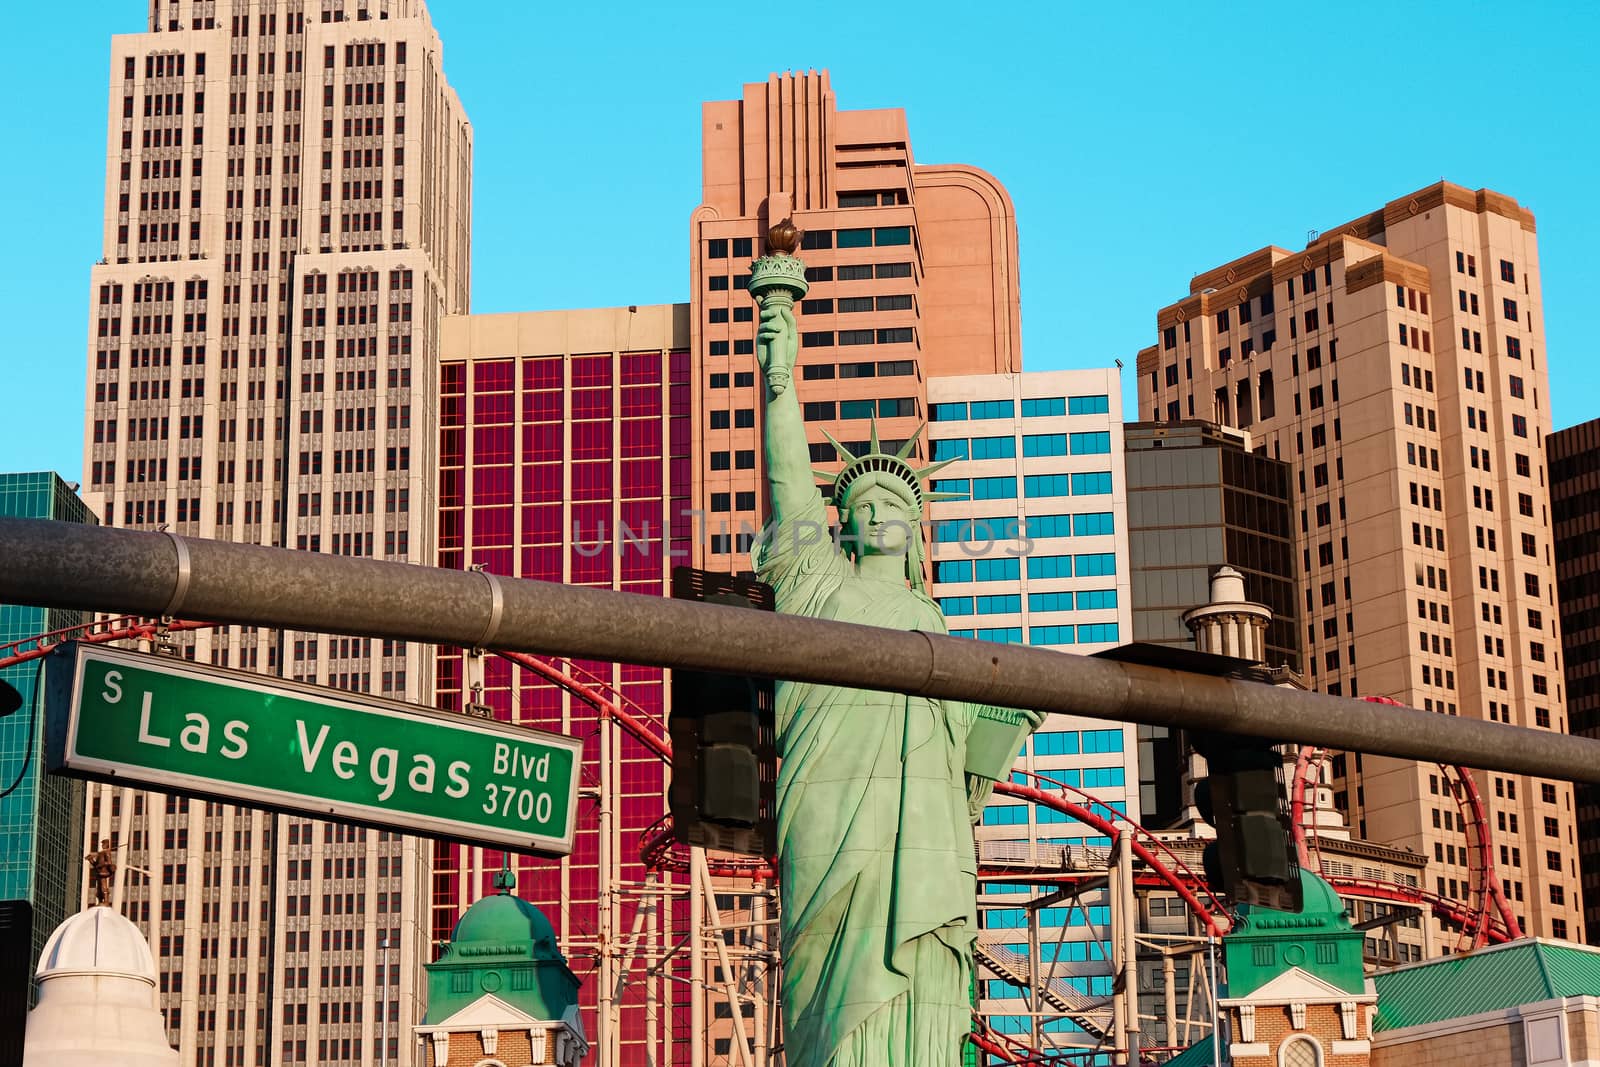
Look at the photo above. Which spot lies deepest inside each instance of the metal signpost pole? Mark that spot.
(59, 564)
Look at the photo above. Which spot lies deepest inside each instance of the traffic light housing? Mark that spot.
(724, 759)
(1253, 859)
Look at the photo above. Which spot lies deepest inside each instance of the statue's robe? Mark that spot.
(875, 854)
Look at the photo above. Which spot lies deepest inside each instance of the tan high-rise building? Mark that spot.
(913, 273)
(1398, 364)
(286, 222)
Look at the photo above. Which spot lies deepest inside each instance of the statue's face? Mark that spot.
(878, 521)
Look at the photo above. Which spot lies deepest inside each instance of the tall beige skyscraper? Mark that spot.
(286, 221)
(1398, 364)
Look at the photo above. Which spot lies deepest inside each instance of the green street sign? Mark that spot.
(166, 724)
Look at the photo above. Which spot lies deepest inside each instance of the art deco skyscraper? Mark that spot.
(913, 273)
(286, 222)
(1398, 365)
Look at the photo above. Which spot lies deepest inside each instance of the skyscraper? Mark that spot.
(564, 452)
(41, 815)
(913, 273)
(1200, 498)
(1034, 550)
(1397, 364)
(1575, 511)
(286, 222)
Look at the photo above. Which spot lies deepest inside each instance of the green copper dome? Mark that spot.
(1318, 938)
(1320, 907)
(505, 947)
(504, 922)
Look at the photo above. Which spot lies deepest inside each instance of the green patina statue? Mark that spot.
(877, 793)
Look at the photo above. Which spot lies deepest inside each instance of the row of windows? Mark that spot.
(1017, 814)
(884, 368)
(848, 305)
(1088, 985)
(1007, 568)
(859, 272)
(1003, 604)
(1093, 443)
(1066, 951)
(893, 335)
(1002, 635)
(1083, 634)
(1099, 404)
(1096, 483)
(1074, 742)
(828, 410)
(1022, 1024)
(968, 570)
(1055, 634)
(1084, 778)
(1090, 483)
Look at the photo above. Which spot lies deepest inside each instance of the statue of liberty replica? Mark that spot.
(876, 793)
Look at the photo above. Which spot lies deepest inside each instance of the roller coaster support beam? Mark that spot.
(95, 568)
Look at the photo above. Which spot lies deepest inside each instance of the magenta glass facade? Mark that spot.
(568, 469)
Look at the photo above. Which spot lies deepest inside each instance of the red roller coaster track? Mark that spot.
(1477, 926)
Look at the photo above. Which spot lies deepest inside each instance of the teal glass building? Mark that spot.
(41, 815)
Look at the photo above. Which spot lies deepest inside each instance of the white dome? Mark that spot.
(97, 940)
(1227, 586)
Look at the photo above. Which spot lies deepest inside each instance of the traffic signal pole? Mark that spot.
(93, 568)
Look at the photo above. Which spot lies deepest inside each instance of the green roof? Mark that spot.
(506, 947)
(1196, 1055)
(1491, 979)
(1265, 943)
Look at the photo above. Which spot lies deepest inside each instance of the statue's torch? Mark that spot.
(777, 280)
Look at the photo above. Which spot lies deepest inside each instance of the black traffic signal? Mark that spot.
(724, 760)
(1253, 860)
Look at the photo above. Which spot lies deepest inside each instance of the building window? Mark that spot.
(1300, 1052)
(1509, 308)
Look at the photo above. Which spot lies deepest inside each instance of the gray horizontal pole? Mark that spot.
(94, 568)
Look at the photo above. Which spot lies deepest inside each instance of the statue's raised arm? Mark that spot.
(777, 280)
(877, 872)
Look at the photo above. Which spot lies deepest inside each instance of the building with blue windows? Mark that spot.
(1034, 551)
(41, 816)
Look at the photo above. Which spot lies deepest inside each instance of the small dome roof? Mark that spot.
(97, 940)
(1318, 897)
(503, 919)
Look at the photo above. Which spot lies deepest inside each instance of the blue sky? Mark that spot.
(1140, 145)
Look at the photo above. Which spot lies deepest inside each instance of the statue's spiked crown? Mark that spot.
(876, 461)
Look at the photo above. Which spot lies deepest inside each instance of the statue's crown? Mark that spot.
(876, 461)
